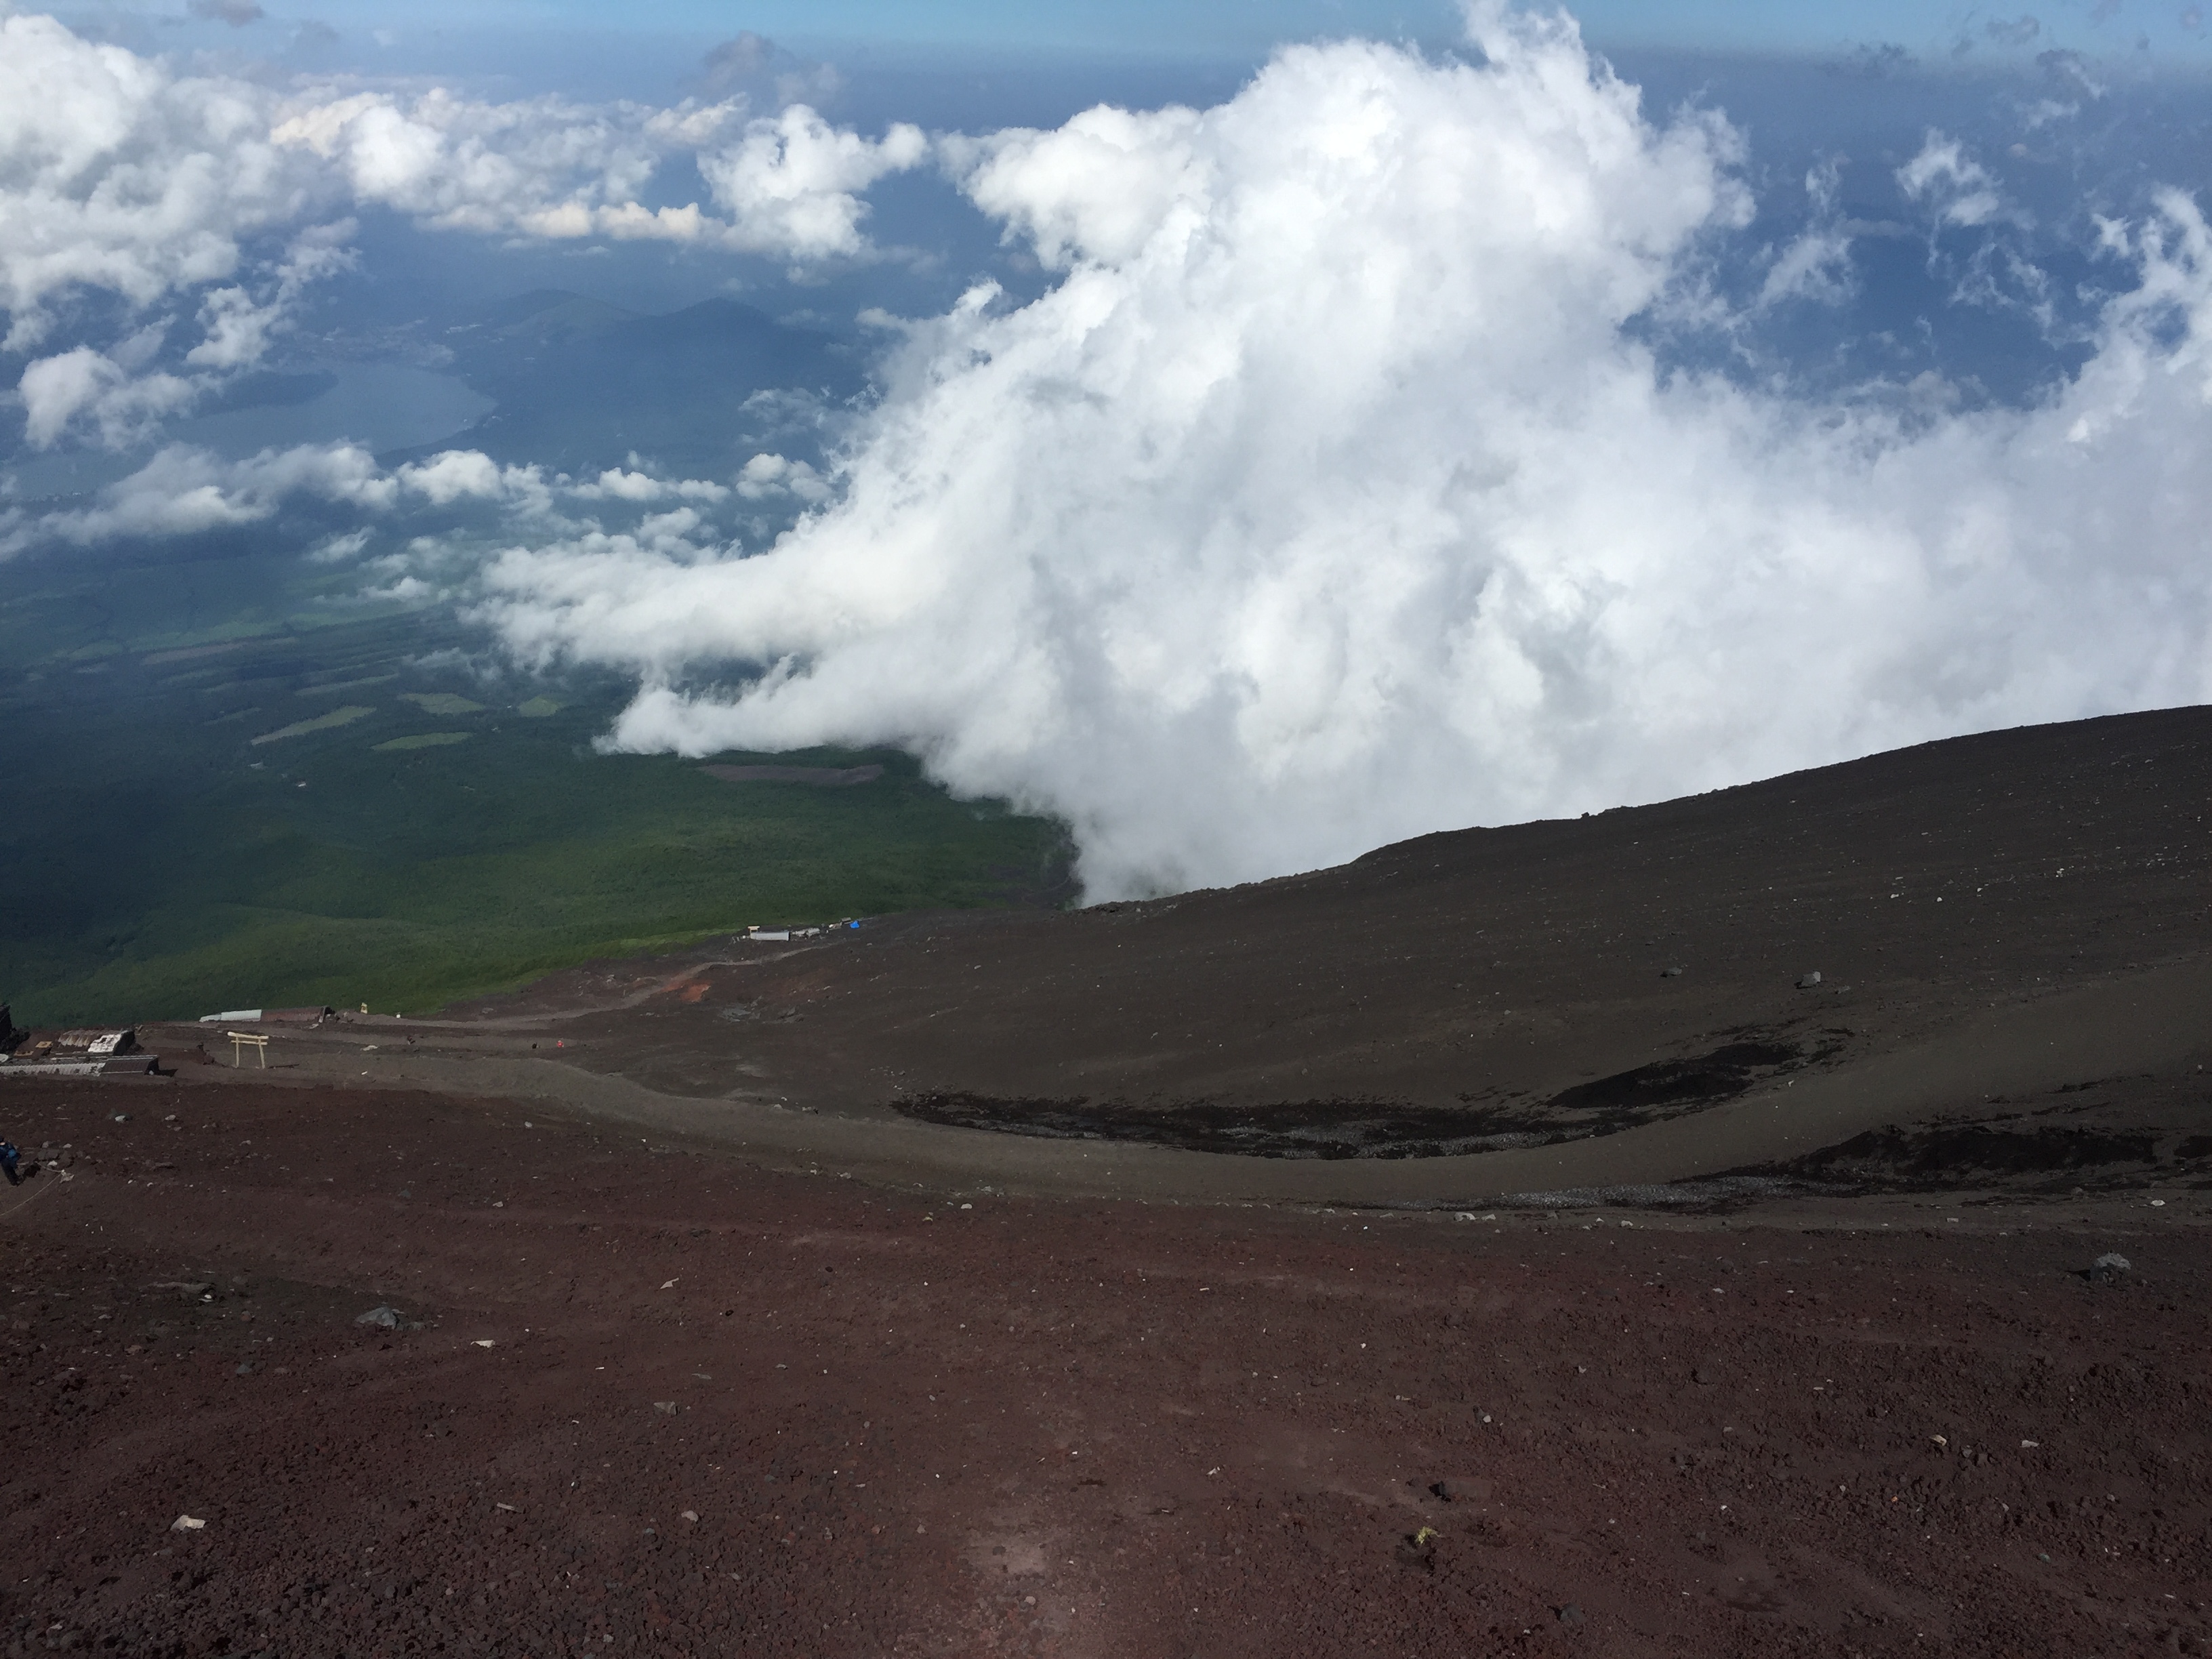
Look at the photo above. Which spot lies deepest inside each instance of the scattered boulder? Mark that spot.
(1806, 981)
(1570, 1615)
(382, 1316)
(665, 1407)
(2107, 1269)
(1705, 1375)
(1670, 973)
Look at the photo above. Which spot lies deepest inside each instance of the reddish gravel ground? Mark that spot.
(645, 1398)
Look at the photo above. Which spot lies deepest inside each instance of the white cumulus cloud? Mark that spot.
(1815, 265)
(536, 167)
(455, 499)
(117, 174)
(1329, 497)
(792, 184)
(97, 388)
(1957, 186)
(238, 322)
(186, 491)
(121, 176)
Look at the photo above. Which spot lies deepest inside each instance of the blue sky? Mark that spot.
(2169, 28)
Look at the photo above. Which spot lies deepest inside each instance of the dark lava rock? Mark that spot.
(1419, 1550)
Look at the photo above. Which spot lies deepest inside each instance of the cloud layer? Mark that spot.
(1329, 497)
(1331, 493)
(123, 180)
(443, 512)
(116, 175)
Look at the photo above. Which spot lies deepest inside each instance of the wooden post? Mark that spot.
(238, 1042)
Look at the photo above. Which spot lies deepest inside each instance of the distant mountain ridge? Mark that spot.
(582, 385)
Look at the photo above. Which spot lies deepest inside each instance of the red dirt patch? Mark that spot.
(907, 1426)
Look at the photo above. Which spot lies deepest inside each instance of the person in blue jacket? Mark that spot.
(8, 1157)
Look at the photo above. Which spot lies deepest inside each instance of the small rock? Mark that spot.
(386, 1318)
(1806, 981)
(1670, 973)
(666, 1407)
(186, 1523)
(1570, 1615)
(1419, 1550)
(245, 1370)
(2107, 1268)
(1705, 1376)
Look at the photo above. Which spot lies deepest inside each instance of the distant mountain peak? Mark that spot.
(553, 313)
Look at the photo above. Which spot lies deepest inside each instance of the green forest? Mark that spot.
(232, 782)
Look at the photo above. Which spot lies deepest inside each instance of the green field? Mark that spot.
(189, 824)
(330, 721)
(419, 740)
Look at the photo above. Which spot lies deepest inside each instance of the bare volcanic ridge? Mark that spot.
(2004, 938)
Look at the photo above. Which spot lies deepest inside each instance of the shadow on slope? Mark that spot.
(1343, 1128)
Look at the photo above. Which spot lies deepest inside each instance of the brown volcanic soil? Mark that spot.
(1134, 1282)
(892, 1424)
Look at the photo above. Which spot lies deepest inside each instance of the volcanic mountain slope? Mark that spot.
(308, 1372)
(320, 1358)
(2009, 931)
